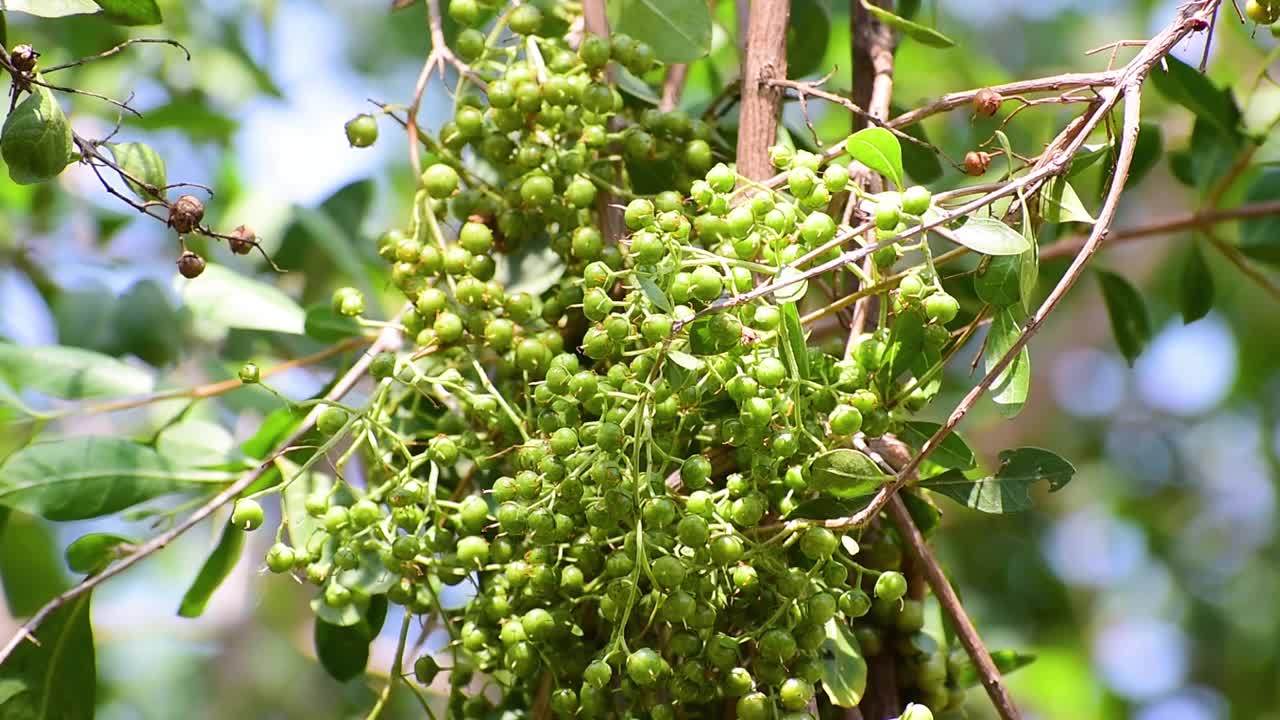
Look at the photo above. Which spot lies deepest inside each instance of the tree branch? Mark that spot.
(761, 102)
(388, 339)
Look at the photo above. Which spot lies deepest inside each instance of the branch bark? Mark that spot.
(761, 102)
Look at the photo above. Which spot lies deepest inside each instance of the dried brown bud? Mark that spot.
(24, 57)
(987, 102)
(190, 264)
(976, 163)
(186, 214)
(242, 240)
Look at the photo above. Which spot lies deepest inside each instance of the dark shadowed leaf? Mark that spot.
(1146, 153)
(808, 32)
(1006, 491)
(878, 149)
(215, 570)
(35, 140)
(30, 563)
(85, 477)
(55, 677)
(844, 671)
(1183, 84)
(1195, 294)
(846, 473)
(1128, 312)
(325, 325)
(921, 164)
(677, 30)
(999, 282)
(192, 114)
(344, 651)
(1260, 237)
(826, 507)
(924, 513)
(1006, 662)
(92, 553)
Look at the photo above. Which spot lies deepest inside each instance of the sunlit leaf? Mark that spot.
(844, 671)
(224, 298)
(1012, 385)
(214, 572)
(70, 373)
(54, 676)
(1007, 490)
(35, 140)
(878, 149)
(50, 8)
(920, 33)
(677, 30)
(846, 473)
(989, 236)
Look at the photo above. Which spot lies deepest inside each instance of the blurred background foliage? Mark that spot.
(1146, 588)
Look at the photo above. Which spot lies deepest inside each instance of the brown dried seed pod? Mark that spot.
(186, 214)
(987, 101)
(190, 264)
(24, 57)
(976, 163)
(242, 240)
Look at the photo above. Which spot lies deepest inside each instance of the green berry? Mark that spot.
(916, 200)
(247, 514)
(891, 586)
(440, 180)
(362, 130)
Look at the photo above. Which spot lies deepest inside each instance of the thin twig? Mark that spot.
(1194, 221)
(1238, 259)
(388, 339)
(115, 50)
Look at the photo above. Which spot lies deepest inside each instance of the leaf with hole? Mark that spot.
(85, 477)
(54, 676)
(990, 237)
(1128, 312)
(1195, 293)
(35, 140)
(878, 149)
(845, 473)
(92, 553)
(677, 30)
(70, 373)
(920, 33)
(844, 670)
(1007, 490)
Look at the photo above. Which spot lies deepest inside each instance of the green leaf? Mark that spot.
(793, 292)
(189, 113)
(797, 349)
(70, 373)
(92, 553)
(30, 563)
(844, 671)
(677, 30)
(919, 33)
(878, 149)
(4, 29)
(215, 570)
(132, 12)
(1129, 321)
(533, 268)
(808, 34)
(1006, 491)
(1183, 84)
(224, 298)
(277, 425)
(953, 453)
(1011, 387)
(999, 282)
(325, 325)
(924, 514)
(344, 651)
(655, 294)
(686, 361)
(1059, 203)
(826, 507)
(54, 677)
(140, 161)
(990, 237)
(300, 523)
(332, 229)
(845, 473)
(85, 477)
(51, 8)
(197, 443)
(1006, 661)
(921, 164)
(36, 139)
(629, 84)
(146, 324)
(1195, 294)
(1260, 237)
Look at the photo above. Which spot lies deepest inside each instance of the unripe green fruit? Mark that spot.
(525, 19)
(818, 543)
(835, 178)
(331, 420)
(915, 711)
(891, 586)
(348, 301)
(383, 366)
(845, 420)
(721, 178)
(780, 156)
(801, 182)
(247, 514)
(887, 215)
(440, 180)
(638, 214)
(818, 228)
(280, 558)
(425, 669)
(941, 308)
(645, 667)
(594, 51)
(476, 237)
(470, 45)
(250, 374)
(362, 130)
(916, 200)
(795, 693)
